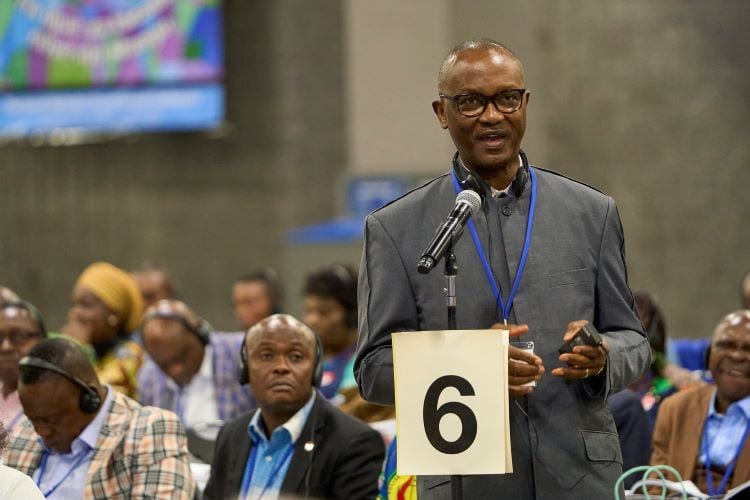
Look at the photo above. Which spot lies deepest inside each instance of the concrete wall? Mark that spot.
(645, 100)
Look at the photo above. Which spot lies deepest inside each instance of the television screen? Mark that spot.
(110, 65)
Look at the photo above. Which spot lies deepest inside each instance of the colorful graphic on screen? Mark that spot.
(62, 52)
(83, 43)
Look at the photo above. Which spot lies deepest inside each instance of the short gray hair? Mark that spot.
(477, 44)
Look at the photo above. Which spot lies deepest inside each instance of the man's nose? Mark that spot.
(491, 114)
(281, 365)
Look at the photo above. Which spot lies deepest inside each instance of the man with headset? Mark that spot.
(544, 254)
(83, 439)
(296, 443)
(703, 432)
(190, 370)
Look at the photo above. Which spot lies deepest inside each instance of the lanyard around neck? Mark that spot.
(505, 307)
(730, 467)
(43, 466)
(250, 471)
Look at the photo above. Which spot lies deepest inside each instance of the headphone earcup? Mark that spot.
(89, 401)
(470, 182)
(318, 370)
(243, 376)
(519, 183)
(203, 330)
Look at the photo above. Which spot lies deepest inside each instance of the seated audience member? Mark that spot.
(154, 283)
(107, 308)
(256, 296)
(634, 430)
(655, 385)
(84, 440)
(703, 432)
(21, 328)
(296, 443)
(14, 484)
(190, 369)
(330, 302)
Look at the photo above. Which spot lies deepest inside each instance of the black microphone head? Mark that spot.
(471, 198)
(425, 265)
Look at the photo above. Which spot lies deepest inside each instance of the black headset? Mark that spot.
(348, 282)
(89, 402)
(243, 374)
(201, 328)
(467, 180)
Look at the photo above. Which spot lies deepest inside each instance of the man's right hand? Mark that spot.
(523, 366)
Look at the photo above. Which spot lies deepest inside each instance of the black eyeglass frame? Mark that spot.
(486, 99)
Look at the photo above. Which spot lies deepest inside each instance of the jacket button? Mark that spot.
(507, 210)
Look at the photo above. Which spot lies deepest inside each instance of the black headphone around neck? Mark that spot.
(467, 180)
(89, 401)
(243, 374)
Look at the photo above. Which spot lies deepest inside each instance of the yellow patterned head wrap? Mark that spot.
(117, 289)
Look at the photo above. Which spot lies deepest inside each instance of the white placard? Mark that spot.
(439, 430)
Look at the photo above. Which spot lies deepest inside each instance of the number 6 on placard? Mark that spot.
(451, 393)
(431, 415)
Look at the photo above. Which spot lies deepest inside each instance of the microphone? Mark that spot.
(467, 203)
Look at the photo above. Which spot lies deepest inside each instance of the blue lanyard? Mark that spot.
(505, 307)
(43, 466)
(180, 404)
(730, 467)
(250, 470)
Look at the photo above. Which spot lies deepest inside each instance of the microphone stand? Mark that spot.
(451, 271)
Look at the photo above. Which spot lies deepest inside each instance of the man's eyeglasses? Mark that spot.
(17, 337)
(473, 105)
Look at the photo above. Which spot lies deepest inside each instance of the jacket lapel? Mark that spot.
(301, 458)
(694, 420)
(237, 461)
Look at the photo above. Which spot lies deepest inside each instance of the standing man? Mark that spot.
(191, 370)
(83, 439)
(548, 257)
(296, 443)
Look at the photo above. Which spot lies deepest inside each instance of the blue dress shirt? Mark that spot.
(723, 433)
(269, 459)
(64, 474)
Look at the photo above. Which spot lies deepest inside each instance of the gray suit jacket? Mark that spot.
(563, 435)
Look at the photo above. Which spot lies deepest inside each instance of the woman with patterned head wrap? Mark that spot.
(107, 307)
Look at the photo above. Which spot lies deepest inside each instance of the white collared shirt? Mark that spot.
(58, 466)
(195, 403)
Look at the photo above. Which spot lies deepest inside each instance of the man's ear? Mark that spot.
(439, 109)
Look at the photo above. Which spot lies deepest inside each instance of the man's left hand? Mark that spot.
(585, 361)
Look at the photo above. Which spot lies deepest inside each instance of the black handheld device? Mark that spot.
(586, 335)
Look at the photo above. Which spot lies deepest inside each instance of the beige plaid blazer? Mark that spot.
(141, 453)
